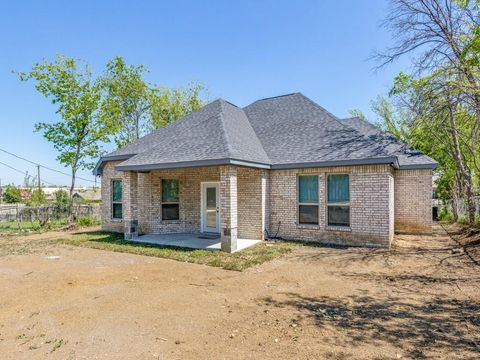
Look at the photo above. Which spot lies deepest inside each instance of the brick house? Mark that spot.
(281, 166)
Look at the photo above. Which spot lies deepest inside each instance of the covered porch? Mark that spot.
(193, 241)
(185, 206)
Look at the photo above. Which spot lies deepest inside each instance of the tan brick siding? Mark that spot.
(380, 200)
(109, 173)
(249, 203)
(149, 192)
(413, 201)
(370, 197)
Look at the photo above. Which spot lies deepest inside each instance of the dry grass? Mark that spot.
(238, 261)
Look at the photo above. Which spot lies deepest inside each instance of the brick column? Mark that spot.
(130, 204)
(228, 208)
(265, 195)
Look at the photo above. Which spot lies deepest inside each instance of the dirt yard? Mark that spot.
(419, 300)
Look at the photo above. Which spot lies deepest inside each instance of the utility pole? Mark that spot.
(38, 174)
(1, 191)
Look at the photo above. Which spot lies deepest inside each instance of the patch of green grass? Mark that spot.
(238, 261)
(87, 221)
(22, 227)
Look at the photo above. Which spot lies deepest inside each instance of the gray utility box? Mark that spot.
(131, 229)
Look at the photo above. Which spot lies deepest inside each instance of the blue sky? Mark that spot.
(241, 51)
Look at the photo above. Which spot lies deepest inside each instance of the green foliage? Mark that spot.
(126, 100)
(69, 85)
(87, 221)
(444, 214)
(168, 105)
(238, 261)
(37, 198)
(138, 107)
(463, 219)
(417, 112)
(357, 113)
(11, 195)
(61, 199)
(14, 227)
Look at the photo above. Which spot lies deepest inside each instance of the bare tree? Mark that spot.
(437, 33)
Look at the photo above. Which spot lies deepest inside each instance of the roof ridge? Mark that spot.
(222, 122)
(274, 97)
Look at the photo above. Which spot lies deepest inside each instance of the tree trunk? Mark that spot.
(465, 175)
(72, 188)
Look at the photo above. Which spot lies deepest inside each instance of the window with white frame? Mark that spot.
(308, 199)
(338, 200)
(170, 199)
(117, 212)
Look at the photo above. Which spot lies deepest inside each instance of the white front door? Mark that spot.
(210, 207)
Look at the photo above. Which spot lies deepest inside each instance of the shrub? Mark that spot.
(445, 215)
(38, 198)
(11, 195)
(463, 220)
(61, 199)
(87, 221)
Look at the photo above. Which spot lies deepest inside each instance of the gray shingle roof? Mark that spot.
(216, 133)
(407, 157)
(280, 132)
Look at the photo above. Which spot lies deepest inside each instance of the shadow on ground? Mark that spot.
(440, 325)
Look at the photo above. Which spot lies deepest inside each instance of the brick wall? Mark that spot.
(148, 204)
(249, 181)
(380, 200)
(371, 189)
(109, 173)
(413, 201)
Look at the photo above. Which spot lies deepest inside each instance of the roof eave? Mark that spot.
(188, 164)
(97, 171)
(391, 160)
(431, 166)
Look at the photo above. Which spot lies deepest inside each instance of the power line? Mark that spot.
(24, 173)
(43, 166)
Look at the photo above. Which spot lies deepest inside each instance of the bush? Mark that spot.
(38, 198)
(87, 221)
(11, 195)
(62, 200)
(444, 214)
(463, 220)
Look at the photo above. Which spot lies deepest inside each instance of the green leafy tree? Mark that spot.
(11, 195)
(126, 100)
(438, 109)
(136, 106)
(429, 115)
(80, 131)
(168, 105)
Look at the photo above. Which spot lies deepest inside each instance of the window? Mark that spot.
(308, 199)
(170, 202)
(338, 200)
(116, 199)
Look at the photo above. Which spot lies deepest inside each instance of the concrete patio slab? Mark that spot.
(194, 241)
